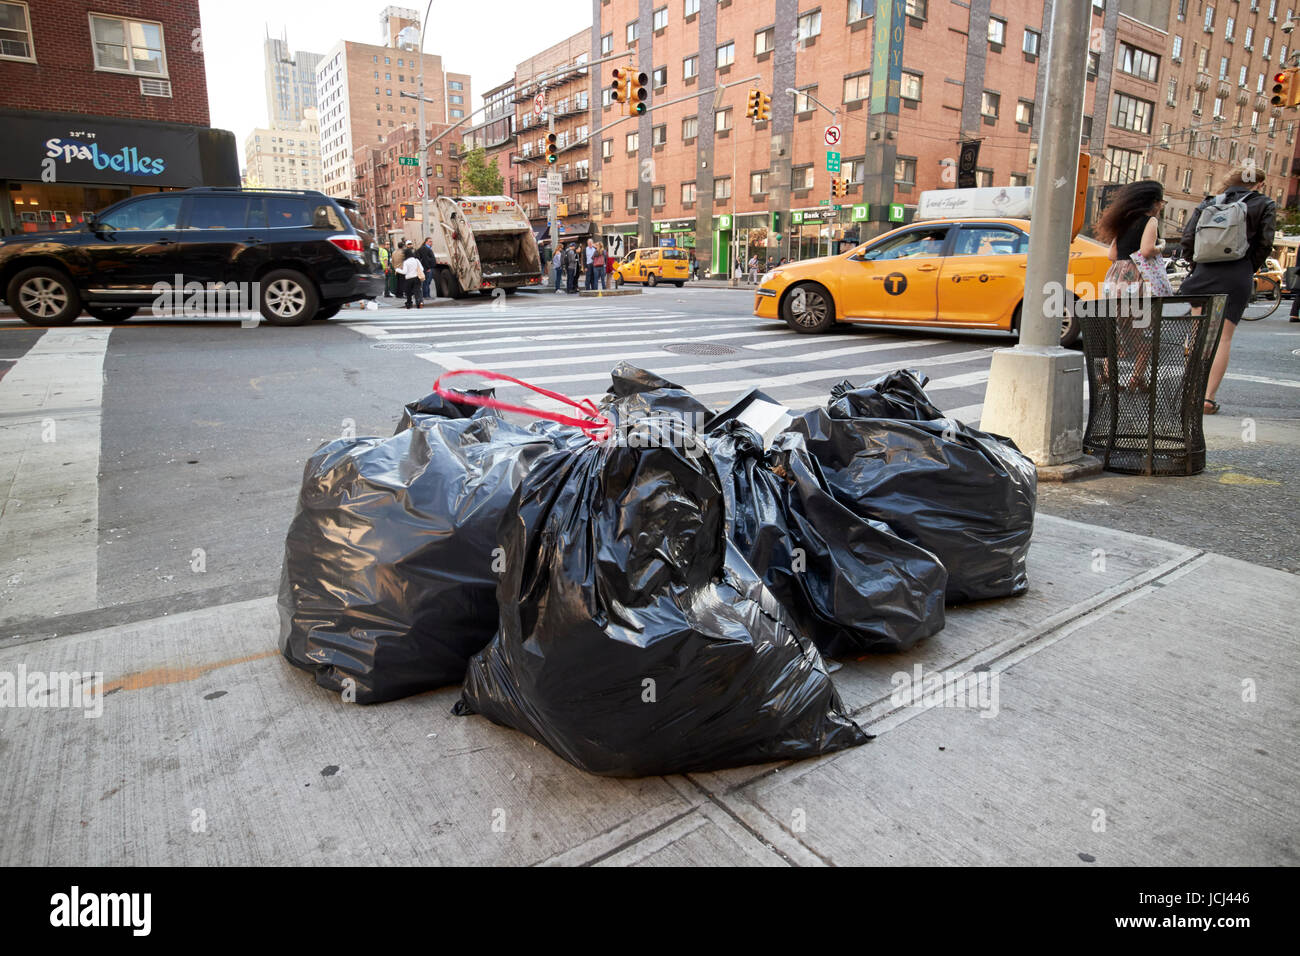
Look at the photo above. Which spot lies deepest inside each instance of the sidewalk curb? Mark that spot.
(1083, 467)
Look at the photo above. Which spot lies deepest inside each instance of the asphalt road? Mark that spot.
(206, 424)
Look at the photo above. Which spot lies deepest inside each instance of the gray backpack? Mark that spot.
(1221, 234)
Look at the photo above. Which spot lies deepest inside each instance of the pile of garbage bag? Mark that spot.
(655, 595)
(966, 496)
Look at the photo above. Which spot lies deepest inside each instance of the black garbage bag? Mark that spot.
(850, 583)
(439, 407)
(965, 495)
(898, 394)
(639, 393)
(388, 576)
(635, 640)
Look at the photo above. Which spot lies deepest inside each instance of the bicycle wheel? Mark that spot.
(1266, 295)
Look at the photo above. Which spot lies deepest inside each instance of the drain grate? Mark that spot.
(700, 348)
(401, 346)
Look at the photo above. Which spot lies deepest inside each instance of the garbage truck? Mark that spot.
(481, 243)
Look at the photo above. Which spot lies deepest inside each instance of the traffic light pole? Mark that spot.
(551, 218)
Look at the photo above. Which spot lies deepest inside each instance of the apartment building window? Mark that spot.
(690, 67)
(691, 7)
(722, 120)
(854, 170)
(1218, 107)
(607, 44)
(915, 8)
(607, 97)
(1162, 171)
(1123, 165)
(1272, 127)
(802, 100)
(607, 203)
(1171, 96)
(1209, 21)
(997, 32)
(1025, 113)
(633, 142)
(764, 40)
(631, 32)
(859, 9)
(659, 135)
(1266, 48)
(1131, 113)
(758, 183)
(455, 85)
(660, 77)
(722, 188)
(1187, 180)
(905, 170)
(1203, 58)
(1177, 51)
(809, 25)
(1241, 76)
(1228, 27)
(629, 198)
(801, 177)
(690, 127)
(726, 54)
(857, 87)
(1250, 37)
(990, 104)
(659, 196)
(1019, 179)
(1166, 130)
(16, 33)
(1224, 67)
(1197, 100)
(1031, 41)
(1268, 160)
(660, 22)
(1138, 62)
(127, 46)
(1259, 83)
(688, 194)
(457, 114)
(910, 86)
(1272, 9)
(984, 178)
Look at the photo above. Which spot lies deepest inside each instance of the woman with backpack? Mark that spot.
(1231, 235)
(1132, 224)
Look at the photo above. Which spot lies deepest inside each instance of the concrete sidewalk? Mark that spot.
(1146, 714)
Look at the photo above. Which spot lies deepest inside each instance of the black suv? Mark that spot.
(308, 254)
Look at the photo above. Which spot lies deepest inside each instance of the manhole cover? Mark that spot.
(401, 346)
(700, 348)
(1295, 352)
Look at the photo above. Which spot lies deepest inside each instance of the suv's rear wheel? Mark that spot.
(43, 296)
(112, 314)
(288, 298)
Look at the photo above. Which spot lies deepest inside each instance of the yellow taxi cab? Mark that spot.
(960, 273)
(653, 265)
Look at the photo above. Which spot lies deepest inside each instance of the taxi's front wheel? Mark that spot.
(808, 308)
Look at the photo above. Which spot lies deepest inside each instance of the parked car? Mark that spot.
(304, 253)
(653, 265)
(940, 273)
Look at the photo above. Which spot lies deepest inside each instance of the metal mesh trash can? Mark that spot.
(1148, 362)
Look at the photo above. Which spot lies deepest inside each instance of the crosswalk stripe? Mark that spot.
(472, 349)
(574, 328)
(668, 368)
(565, 337)
(584, 318)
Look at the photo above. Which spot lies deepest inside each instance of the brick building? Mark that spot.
(100, 99)
(513, 134)
(285, 156)
(358, 95)
(382, 185)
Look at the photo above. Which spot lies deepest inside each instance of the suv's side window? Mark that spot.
(217, 212)
(154, 212)
(287, 212)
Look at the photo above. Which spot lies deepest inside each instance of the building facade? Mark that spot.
(385, 188)
(285, 157)
(359, 90)
(99, 100)
(290, 83)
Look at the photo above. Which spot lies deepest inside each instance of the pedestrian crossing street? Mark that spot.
(571, 347)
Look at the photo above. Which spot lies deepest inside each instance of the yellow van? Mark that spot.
(654, 265)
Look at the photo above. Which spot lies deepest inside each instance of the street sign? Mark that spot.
(539, 104)
(823, 202)
(543, 192)
(556, 183)
(796, 217)
(419, 188)
(408, 161)
(895, 212)
(832, 161)
(833, 134)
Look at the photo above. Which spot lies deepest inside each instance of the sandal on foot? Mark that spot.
(1211, 407)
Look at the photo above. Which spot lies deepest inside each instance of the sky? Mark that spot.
(484, 38)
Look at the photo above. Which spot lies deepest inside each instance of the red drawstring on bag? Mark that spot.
(595, 426)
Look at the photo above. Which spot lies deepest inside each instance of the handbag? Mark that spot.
(1153, 271)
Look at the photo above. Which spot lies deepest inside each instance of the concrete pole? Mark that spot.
(1035, 390)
